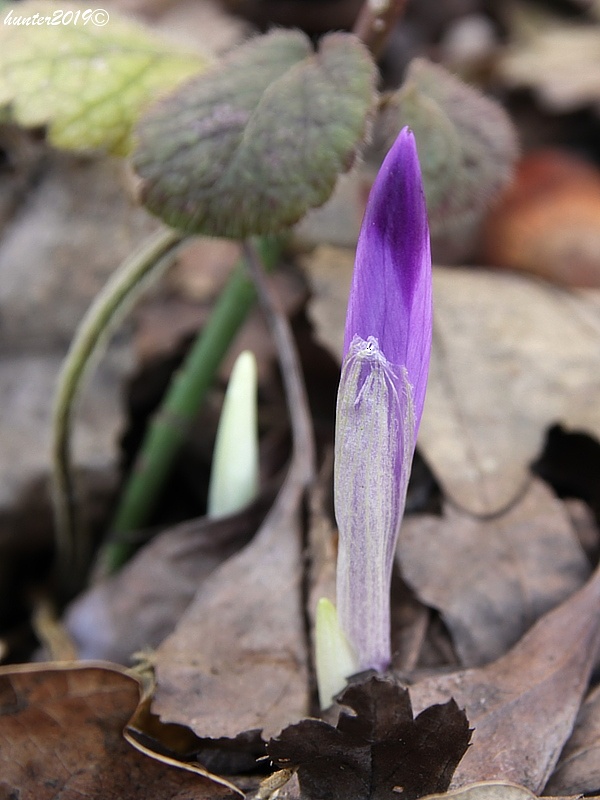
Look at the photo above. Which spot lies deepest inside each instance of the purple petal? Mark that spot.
(390, 296)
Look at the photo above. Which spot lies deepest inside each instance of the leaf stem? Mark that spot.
(376, 21)
(107, 309)
(171, 424)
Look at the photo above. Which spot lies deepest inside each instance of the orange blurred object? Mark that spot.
(548, 220)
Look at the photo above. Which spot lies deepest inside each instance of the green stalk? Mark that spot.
(169, 428)
(107, 309)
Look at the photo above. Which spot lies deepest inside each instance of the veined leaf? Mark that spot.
(250, 146)
(87, 82)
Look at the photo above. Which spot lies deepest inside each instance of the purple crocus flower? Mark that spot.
(381, 395)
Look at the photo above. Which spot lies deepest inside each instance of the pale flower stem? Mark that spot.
(364, 608)
(106, 311)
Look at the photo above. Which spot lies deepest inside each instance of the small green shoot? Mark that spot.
(334, 659)
(234, 476)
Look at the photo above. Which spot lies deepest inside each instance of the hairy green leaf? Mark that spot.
(87, 81)
(248, 147)
(467, 144)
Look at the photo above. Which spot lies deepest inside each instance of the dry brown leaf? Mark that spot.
(237, 660)
(486, 790)
(559, 59)
(202, 268)
(548, 222)
(61, 734)
(578, 769)
(524, 705)
(203, 26)
(585, 526)
(329, 270)
(511, 356)
(139, 606)
(337, 222)
(491, 579)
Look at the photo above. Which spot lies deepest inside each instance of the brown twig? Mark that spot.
(295, 390)
(376, 21)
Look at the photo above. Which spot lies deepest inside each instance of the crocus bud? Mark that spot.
(234, 475)
(381, 395)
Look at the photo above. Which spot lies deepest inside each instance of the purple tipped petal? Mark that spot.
(390, 296)
(381, 396)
